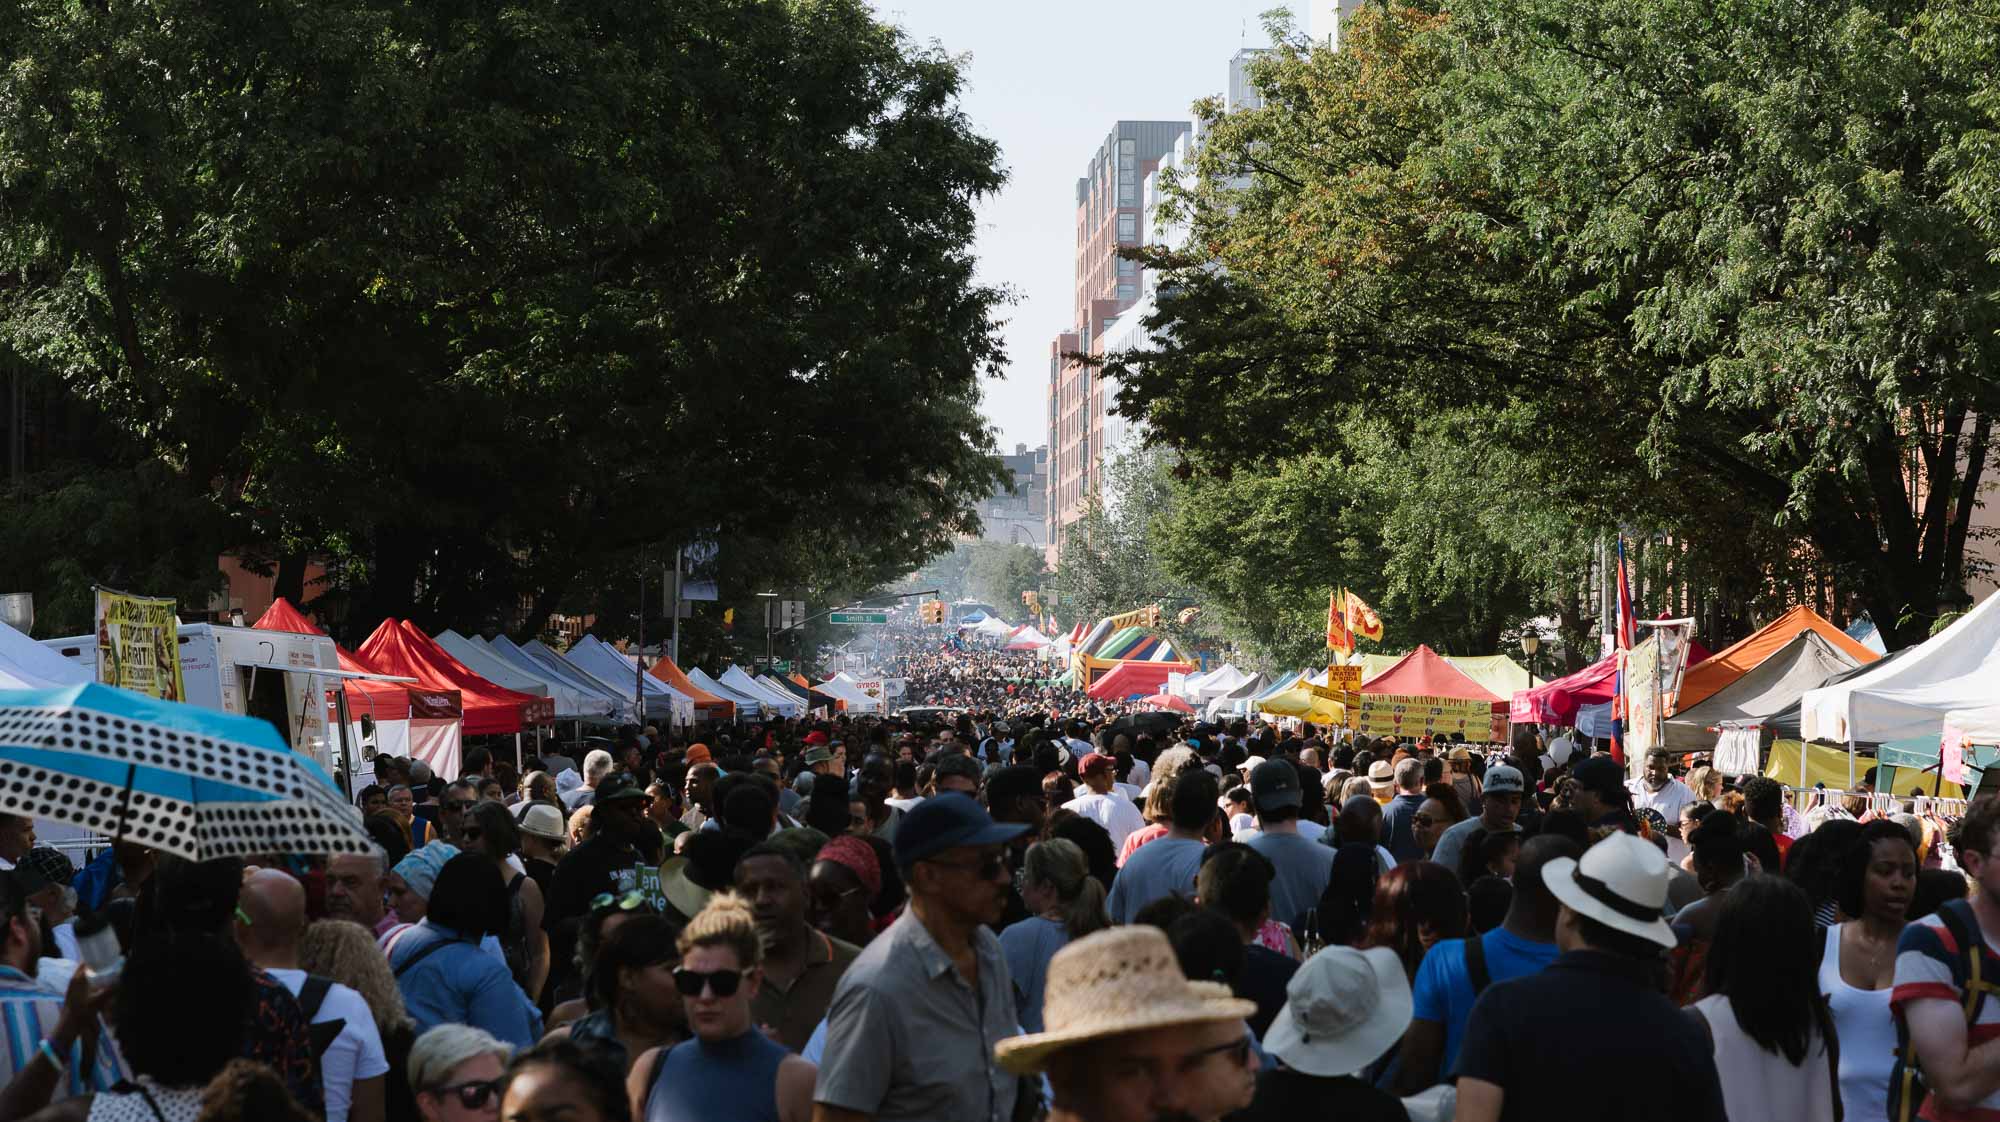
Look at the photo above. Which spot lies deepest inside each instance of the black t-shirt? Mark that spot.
(1265, 974)
(1641, 1060)
(1284, 1095)
(601, 864)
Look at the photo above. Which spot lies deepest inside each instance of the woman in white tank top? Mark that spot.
(1774, 1042)
(1878, 875)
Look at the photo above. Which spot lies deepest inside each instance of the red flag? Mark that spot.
(1361, 619)
(1338, 638)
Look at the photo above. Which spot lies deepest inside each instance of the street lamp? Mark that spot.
(1530, 643)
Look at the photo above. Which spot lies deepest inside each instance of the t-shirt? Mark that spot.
(1668, 801)
(1303, 867)
(1929, 965)
(1114, 812)
(1284, 1095)
(1158, 868)
(355, 1054)
(1451, 844)
(1442, 992)
(1398, 819)
(1028, 946)
(1590, 1038)
(600, 864)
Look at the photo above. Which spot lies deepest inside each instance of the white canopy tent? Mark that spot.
(1908, 697)
(844, 688)
(607, 664)
(748, 705)
(483, 662)
(593, 698)
(993, 627)
(1238, 700)
(783, 703)
(28, 665)
(1220, 682)
(1030, 639)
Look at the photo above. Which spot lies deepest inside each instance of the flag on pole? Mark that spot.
(1338, 637)
(1361, 619)
(1626, 633)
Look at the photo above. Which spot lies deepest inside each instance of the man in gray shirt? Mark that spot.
(911, 1030)
(1499, 805)
(1303, 865)
(1167, 865)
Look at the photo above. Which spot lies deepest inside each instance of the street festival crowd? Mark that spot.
(1019, 904)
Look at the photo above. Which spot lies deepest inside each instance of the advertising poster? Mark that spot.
(138, 644)
(1382, 715)
(1642, 701)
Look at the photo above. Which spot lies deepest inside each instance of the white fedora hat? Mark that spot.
(1343, 1009)
(1621, 883)
(1120, 980)
(543, 821)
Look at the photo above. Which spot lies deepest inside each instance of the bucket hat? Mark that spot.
(1343, 1009)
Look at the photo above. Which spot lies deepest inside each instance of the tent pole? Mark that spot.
(517, 753)
(1850, 765)
(1803, 745)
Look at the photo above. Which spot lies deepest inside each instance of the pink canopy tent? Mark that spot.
(1134, 679)
(1557, 702)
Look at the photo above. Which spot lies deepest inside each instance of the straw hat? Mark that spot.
(1124, 979)
(1621, 883)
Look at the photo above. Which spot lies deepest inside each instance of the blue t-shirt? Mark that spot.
(1028, 946)
(1159, 868)
(1442, 993)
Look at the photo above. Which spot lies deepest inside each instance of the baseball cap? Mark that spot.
(1274, 784)
(1600, 775)
(1091, 762)
(816, 737)
(948, 821)
(1504, 780)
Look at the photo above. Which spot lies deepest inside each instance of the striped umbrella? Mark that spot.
(177, 778)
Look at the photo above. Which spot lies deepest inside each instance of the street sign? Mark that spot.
(860, 619)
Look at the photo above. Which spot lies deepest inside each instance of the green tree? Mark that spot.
(999, 573)
(483, 303)
(1665, 264)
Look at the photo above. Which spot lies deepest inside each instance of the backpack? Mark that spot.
(1475, 964)
(312, 995)
(1907, 1088)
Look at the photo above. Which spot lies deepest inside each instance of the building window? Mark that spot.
(1128, 227)
(1128, 292)
(1128, 173)
(1127, 267)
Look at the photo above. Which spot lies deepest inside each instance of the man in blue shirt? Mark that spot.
(1167, 865)
(1400, 811)
(1444, 990)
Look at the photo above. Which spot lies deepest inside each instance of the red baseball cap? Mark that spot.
(816, 738)
(1091, 762)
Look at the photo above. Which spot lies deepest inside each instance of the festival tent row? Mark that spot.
(775, 698)
(609, 665)
(399, 647)
(1804, 662)
(416, 719)
(1422, 693)
(486, 664)
(1734, 661)
(707, 704)
(1238, 700)
(1496, 673)
(749, 706)
(593, 698)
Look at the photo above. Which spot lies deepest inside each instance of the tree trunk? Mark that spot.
(291, 577)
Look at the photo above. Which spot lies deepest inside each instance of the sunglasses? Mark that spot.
(471, 1096)
(458, 806)
(722, 983)
(628, 902)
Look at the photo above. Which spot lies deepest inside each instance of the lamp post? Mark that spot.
(1530, 643)
(769, 599)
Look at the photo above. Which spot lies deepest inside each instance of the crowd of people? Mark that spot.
(1023, 910)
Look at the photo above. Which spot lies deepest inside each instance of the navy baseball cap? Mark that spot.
(948, 821)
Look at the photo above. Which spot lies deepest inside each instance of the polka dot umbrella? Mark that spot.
(177, 778)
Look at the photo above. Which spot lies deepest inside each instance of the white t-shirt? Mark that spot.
(1668, 800)
(905, 804)
(1114, 812)
(355, 1054)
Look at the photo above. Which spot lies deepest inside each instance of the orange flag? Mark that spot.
(1361, 619)
(1338, 638)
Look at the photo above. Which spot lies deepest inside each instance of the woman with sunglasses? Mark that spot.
(635, 1006)
(455, 1071)
(730, 1069)
(492, 832)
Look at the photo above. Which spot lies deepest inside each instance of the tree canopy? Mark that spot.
(1508, 277)
(492, 306)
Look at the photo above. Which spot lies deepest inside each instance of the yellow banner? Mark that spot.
(138, 644)
(1386, 715)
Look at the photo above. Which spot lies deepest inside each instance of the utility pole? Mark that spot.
(639, 655)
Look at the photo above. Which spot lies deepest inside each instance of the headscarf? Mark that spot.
(419, 868)
(858, 857)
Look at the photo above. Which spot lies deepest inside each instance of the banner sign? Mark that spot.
(1386, 715)
(1344, 678)
(138, 644)
(1642, 700)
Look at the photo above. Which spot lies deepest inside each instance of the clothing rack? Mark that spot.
(1879, 802)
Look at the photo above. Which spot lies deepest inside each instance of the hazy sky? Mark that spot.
(1047, 79)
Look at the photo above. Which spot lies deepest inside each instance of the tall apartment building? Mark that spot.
(1109, 215)
(1323, 19)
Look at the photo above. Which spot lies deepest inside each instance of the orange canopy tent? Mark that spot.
(1720, 669)
(705, 703)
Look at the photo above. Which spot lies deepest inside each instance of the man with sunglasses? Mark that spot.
(607, 861)
(458, 798)
(917, 1015)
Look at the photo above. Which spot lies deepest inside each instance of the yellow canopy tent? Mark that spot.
(1301, 702)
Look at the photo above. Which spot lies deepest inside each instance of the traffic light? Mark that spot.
(931, 611)
(1153, 615)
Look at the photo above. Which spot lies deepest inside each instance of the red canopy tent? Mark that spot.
(1135, 679)
(401, 649)
(1424, 673)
